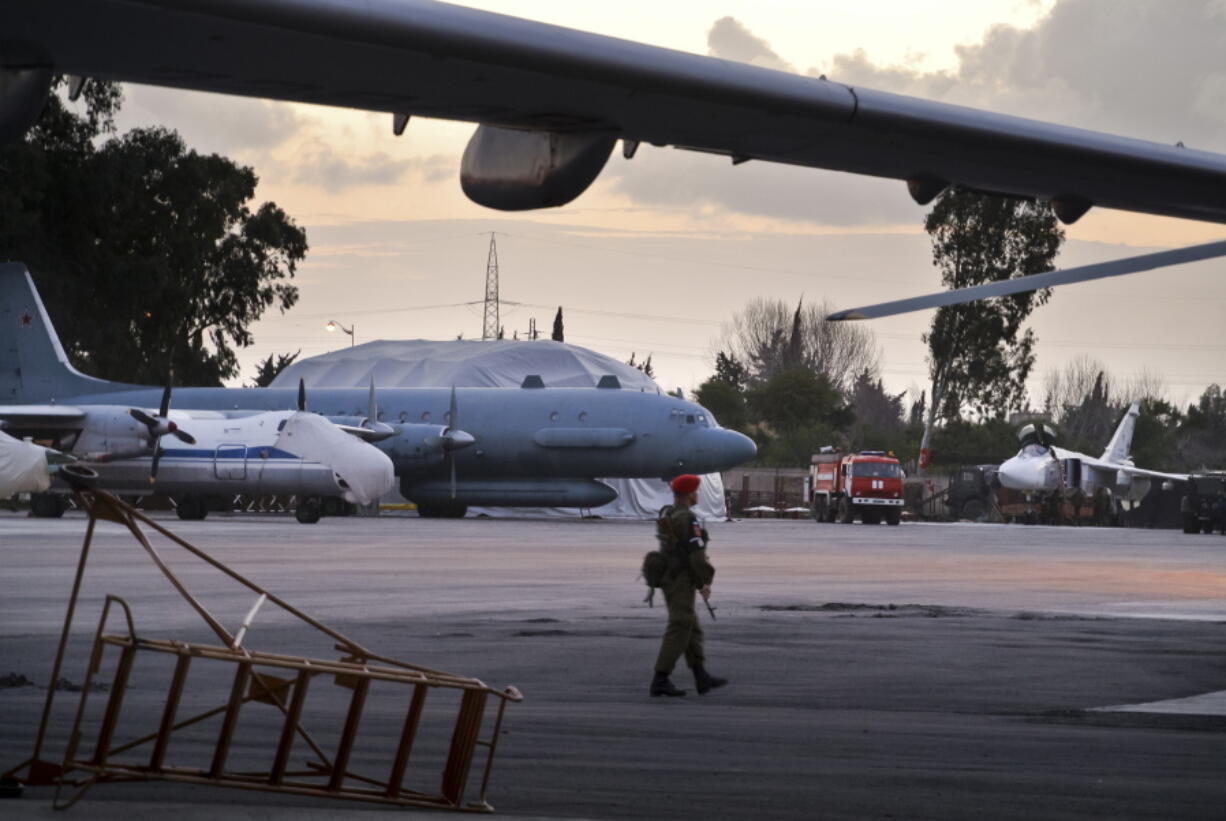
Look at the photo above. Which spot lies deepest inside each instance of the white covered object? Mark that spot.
(421, 363)
(23, 467)
(367, 470)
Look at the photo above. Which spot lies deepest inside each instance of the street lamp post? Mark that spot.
(333, 326)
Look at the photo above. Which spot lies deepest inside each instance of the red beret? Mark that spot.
(685, 483)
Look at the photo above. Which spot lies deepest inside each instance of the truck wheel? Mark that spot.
(819, 509)
(846, 514)
(872, 518)
(1190, 523)
(972, 510)
(1206, 527)
(47, 505)
(893, 517)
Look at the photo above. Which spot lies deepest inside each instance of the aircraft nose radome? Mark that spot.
(732, 449)
(1023, 474)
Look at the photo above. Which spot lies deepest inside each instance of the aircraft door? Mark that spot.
(230, 462)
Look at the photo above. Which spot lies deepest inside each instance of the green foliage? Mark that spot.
(961, 442)
(148, 255)
(270, 368)
(979, 356)
(644, 366)
(725, 402)
(730, 371)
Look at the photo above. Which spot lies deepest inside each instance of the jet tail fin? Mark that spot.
(33, 365)
(1121, 442)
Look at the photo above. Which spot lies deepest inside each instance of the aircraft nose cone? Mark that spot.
(724, 449)
(1021, 473)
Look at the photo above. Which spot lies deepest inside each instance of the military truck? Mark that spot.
(867, 484)
(971, 491)
(1203, 506)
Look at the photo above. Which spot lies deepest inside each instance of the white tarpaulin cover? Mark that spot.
(421, 363)
(23, 467)
(367, 470)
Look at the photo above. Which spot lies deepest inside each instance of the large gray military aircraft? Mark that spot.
(551, 102)
(529, 446)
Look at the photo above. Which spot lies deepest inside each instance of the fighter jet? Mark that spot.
(531, 446)
(1041, 467)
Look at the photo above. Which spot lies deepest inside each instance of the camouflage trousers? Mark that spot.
(683, 634)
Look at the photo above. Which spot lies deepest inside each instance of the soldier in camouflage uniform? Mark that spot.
(689, 573)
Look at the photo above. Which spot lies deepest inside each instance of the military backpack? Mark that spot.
(657, 563)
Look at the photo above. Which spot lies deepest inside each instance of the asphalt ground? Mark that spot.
(923, 671)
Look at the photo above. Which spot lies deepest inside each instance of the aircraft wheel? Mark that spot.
(191, 508)
(47, 505)
(893, 517)
(846, 514)
(308, 512)
(333, 506)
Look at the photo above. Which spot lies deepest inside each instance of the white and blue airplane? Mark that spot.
(120, 449)
(531, 446)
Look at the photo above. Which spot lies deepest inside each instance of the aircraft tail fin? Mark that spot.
(33, 365)
(1121, 443)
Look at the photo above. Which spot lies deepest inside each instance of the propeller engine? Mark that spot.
(159, 426)
(451, 438)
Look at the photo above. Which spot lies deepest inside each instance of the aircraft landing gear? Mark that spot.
(309, 511)
(192, 508)
(47, 505)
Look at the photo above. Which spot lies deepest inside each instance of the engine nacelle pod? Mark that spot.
(517, 170)
(23, 92)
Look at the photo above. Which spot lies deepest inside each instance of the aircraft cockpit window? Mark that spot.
(425, 416)
(1034, 450)
(702, 420)
(689, 419)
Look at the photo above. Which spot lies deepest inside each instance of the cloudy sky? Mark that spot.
(664, 249)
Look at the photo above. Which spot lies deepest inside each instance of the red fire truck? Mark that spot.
(867, 484)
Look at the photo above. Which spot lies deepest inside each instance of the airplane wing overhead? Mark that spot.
(1034, 282)
(541, 91)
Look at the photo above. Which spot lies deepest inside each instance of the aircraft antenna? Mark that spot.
(489, 329)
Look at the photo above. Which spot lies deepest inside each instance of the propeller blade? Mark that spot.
(452, 475)
(301, 394)
(453, 416)
(184, 436)
(157, 457)
(372, 409)
(165, 406)
(142, 417)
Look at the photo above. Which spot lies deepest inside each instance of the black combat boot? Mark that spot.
(661, 686)
(705, 682)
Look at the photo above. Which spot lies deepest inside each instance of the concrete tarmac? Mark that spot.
(923, 671)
